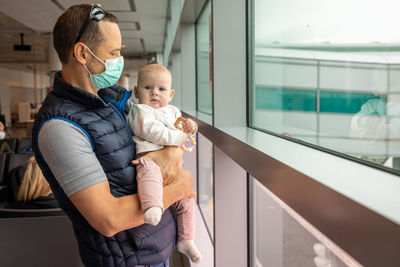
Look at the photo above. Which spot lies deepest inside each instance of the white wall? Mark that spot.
(19, 86)
(18, 78)
(5, 101)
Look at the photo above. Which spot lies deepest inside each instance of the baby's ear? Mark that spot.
(172, 94)
(135, 91)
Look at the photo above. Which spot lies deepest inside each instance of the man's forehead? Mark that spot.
(111, 32)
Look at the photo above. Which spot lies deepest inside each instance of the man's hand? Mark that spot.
(178, 183)
(169, 159)
(180, 188)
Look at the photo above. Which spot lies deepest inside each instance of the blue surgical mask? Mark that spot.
(110, 76)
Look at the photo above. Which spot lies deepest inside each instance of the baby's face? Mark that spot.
(154, 89)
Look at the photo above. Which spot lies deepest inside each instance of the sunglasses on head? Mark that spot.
(97, 14)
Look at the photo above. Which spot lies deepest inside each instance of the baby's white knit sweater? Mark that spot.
(152, 128)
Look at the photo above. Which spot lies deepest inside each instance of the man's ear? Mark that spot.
(136, 92)
(79, 52)
(172, 94)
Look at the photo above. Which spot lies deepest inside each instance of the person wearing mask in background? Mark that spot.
(2, 131)
(85, 149)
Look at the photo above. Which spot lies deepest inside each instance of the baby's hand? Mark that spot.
(189, 126)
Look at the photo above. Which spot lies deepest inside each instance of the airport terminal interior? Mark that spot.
(297, 155)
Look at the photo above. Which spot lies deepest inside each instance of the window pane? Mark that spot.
(206, 181)
(329, 80)
(280, 237)
(203, 60)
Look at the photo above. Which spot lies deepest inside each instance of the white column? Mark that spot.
(188, 66)
(54, 61)
(229, 49)
(230, 211)
(176, 79)
(125, 81)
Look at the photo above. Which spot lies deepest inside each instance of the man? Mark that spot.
(84, 148)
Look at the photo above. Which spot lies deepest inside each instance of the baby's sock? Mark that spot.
(153, 215)
(188, 248)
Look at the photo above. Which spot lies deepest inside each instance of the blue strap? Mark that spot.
(163, 264)
(119, 105)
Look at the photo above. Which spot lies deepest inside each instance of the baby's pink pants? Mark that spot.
(150, 190)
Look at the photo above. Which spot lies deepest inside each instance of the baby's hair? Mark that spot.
(34, 184)
(152, 68)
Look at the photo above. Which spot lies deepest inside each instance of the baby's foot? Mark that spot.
(153, 215)
(188, 248)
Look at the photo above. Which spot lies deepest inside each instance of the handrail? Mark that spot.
(368, 237)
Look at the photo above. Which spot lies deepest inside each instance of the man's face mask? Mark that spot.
(2, 135)
(110, 76)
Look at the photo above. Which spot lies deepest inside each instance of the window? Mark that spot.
(327, 78)
(205, 178)
(280, 237)
(204, 60)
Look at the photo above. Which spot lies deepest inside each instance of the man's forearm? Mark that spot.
(126, 219)
(110, 215)
(171, 195)
(106, 213)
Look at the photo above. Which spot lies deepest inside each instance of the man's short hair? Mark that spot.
(67, 28)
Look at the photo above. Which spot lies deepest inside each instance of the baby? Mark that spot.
(152, 124)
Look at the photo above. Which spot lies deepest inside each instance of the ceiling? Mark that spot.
(142, 24)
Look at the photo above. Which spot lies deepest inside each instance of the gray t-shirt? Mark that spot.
(68, 152)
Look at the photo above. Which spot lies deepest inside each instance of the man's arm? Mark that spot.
(169, 168)
(110, 215)
(67, 151)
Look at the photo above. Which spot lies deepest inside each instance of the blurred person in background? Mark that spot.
(33, 192)
(2, 131)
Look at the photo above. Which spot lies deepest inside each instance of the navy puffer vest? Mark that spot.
(105, 125)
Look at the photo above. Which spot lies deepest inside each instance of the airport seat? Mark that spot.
(3, 159)
(20, 159)
(24, 145)
(37, 238)
(8, 145)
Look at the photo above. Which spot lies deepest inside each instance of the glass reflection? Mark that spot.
(206, 181)
(330, 80)
(280, 237)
